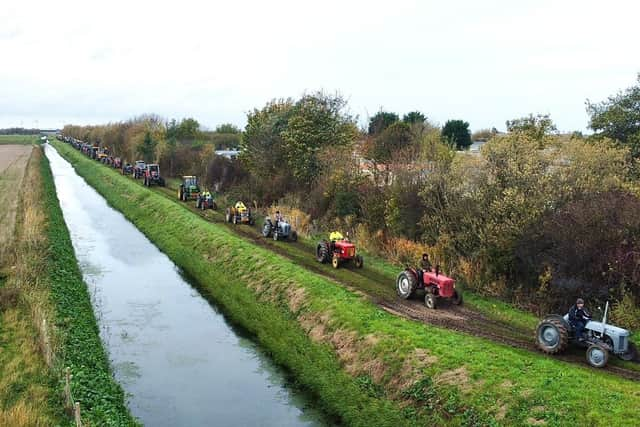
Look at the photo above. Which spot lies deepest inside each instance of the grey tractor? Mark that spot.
(554, 334)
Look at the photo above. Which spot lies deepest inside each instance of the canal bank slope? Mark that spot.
(355, 357)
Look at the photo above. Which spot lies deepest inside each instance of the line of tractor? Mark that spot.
(553, 335)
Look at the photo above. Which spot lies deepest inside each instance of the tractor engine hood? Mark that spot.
(600, 328)
(344, 245)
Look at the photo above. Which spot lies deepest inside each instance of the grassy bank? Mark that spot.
(313, 326)
(76, 331)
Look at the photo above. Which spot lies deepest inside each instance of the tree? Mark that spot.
(227, 128)
(147, 148)
(537, 127)
(457, 133)
(618, 118)
(316, 121)
(381, 121)
(414, 117)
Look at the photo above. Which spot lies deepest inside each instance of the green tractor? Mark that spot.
(189, 188)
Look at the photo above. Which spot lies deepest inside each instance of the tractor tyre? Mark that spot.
(335, 261)
(597, 356)
(266, 230)
(456, 299)
(406, 284)
(431, 301)
(293, 236)
(552, 335)
(322, 252)
(630, 354)
(358, 261)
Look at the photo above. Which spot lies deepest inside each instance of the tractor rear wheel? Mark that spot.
(597, 356)
(456, 299)
(552, 335)
(293, 236)
(322, 252)
(358, 261)
(335, 261)
(406, 284)
(431, 301)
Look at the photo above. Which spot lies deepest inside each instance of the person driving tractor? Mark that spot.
(277, 218)
(425, 265)
(578, 317)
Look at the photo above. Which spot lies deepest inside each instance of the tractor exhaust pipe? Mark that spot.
(606, 311)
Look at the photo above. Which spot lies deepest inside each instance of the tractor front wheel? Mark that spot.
(406, 284)
(597, 356)
(456, 299)
(358, 261)
(431, 301)
(552, 335)
(335, 261)
(630, 354)
(266, 230)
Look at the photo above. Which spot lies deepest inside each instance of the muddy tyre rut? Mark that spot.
(381, 292)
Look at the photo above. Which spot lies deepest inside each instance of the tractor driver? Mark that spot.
(425, 265)
(578, 317)
(278, 218)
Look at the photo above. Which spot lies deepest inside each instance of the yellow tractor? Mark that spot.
(239, 214)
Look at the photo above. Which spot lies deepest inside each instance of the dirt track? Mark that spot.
(13, 161)
(380, 290)
(13, 153)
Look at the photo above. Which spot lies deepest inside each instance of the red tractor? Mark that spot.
(152, 176)
(436, 286)
(338, 250)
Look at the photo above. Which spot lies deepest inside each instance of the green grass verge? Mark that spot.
(19, 139)
(101, 397)
(455, 378)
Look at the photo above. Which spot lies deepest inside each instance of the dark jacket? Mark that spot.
(578, 314)
(425, 264)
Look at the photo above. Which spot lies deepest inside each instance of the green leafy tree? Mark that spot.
(381, 121)
(227, 128)
(618, 118)
(316, 121)
(147, 148)
(414, 117)
(537, 127)
(457, 133)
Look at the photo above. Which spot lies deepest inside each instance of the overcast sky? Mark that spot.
(89, 62)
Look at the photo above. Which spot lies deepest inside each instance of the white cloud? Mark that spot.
(485, 62)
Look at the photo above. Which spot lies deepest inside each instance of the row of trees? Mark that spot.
(536, 218)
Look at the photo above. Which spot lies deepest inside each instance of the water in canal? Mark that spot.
(177, 358)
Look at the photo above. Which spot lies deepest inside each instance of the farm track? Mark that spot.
(380, 290)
